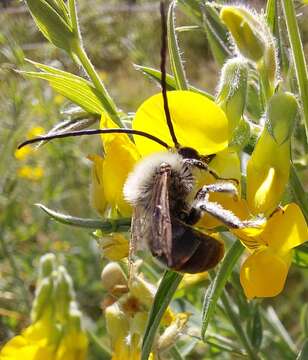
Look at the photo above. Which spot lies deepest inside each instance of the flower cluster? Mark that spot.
(201, 124)
(56, 332)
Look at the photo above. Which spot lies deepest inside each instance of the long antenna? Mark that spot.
(94, 132)
(163, 55)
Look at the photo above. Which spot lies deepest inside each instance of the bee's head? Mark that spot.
(189, 153)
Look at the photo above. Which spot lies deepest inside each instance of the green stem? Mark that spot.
(106, 99)
(298, 56)
(234, 318)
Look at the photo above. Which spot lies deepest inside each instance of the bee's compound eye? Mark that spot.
(189, 153)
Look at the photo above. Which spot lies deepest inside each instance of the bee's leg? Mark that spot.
(219, 187)
(227, 217)
(204, 166)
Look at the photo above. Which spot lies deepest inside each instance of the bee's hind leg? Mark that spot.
(227, 217)
(219, 187)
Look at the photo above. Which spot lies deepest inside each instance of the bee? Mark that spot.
(167, 205)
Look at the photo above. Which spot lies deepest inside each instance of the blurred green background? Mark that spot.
(117, 34)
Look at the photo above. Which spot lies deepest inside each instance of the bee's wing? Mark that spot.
(160, 223)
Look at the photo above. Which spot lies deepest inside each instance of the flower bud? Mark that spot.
(63, 293)
(172, 332)
(47, 265)
(113, 278)
(247, 31)
(281, 115)
(53, 22)
(41, 302)
(269, 165)
(232, 89)
(142, 290)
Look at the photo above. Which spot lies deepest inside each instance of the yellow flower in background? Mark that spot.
(198, 123)
(23, 153)
(29, 172)
(56, 332)
(264, 272)
(33, 173)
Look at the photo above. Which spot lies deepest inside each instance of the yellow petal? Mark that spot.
(285, 229)
(114, 246)
(263, 274)
(33, 173)
(121, 156)
(198, 123)
(97, 193)
(267, 174)
(23, 153)
(226, 164)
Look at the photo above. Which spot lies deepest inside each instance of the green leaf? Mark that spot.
(217, 35)
(73, 87)
(304, 320)
(298, 56)
(193, 10)
(298, 191)
(120, 225)
(170, 81)
(52, 22)
(300, 256)
(216, 32)
(270, 14)
(174, 51)
(216, 288)
(256, 329)
(303, 354)
(165, 291)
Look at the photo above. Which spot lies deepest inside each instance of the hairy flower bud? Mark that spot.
(232, 90)
(246, 31)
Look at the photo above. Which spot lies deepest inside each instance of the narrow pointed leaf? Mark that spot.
(163, 297)
(298, 56)
(120, 225)
(171, 84)
(303, 354)
(174, 52)
(73, 87)
(217, 35)
(52, 22)
(214, 291)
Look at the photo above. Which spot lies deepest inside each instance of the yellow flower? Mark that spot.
(114, 246)
(110, 172)
(269, 165)
(33, 173)
(267, 174)
(56, 332)
(227, 165)
(97, 192)
(198, 123)
(264, 272)
(23, 153)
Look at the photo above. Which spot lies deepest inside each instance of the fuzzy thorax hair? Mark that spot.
(140, 182)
